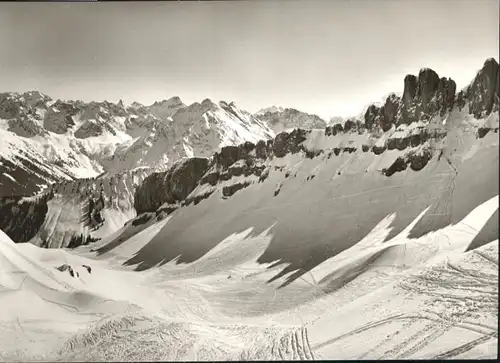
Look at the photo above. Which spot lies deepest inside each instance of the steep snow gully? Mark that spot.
(372, 239)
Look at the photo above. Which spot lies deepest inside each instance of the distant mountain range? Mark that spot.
(44, 141)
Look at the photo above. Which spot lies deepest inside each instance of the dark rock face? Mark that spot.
(446, 95)
(25, 127)
(91, 212)
(80, 240)
(68, 268)
(172, 186)
(334, 130)
(415, 139)
(92, 129)
(419, 161)
(416, 161)
(372, 116)
(428, 81)
(384, 116)
(399, 165)
(59, 117)
(261, 149)
(349, 125)
(210, 178)
(483, 131)
(144, 218)
(377, 150)
(197, 198)
(285, 143)
(21, 220)
(426, 96)
(231, 189)
(28, 174)
(483, 93)
(228, 155)
(390, 112)
(461, 100)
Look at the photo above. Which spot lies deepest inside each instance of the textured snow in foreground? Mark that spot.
(404, 298)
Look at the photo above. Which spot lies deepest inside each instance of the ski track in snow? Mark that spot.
(441, 305)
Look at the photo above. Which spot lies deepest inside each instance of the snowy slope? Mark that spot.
(400, 304)
(355, 241)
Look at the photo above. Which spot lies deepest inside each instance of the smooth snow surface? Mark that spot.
(401, 298)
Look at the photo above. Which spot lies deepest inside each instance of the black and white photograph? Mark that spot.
(249, 180)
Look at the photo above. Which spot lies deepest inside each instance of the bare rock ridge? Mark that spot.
(407, 133)
(171, 186)
(77, 209)
(428, 95)
(425, 97)
(484, 92)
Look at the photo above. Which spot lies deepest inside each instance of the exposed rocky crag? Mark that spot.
(71, 213)
(169, 187)
(425, 126)
(427, 95)
(409, 117)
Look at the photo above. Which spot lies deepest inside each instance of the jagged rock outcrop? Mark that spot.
(425, 95)
(483, 93)
(171, 186)
(21, 218)
(285, 142)
(25, 127)
(415, 160)
(238, 165)
(428, 95)
(384, 116)
(93, 128)
(59, 117)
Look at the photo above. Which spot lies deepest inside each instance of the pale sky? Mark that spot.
(329, 57)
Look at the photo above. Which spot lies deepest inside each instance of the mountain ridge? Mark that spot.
(406, 133)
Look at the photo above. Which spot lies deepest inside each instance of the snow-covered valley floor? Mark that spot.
(404, 298)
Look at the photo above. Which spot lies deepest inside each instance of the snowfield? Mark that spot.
(367, 240)
(400, 299)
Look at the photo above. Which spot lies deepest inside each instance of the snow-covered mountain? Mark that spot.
(43, 141)
(372, 239)
(423, 127)
(280, 119)
(271, 109)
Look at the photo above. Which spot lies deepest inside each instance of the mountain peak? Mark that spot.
(172, 101)
(228, 104)
(271, 109)
(207, 102)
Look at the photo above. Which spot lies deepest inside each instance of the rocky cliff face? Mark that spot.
(406, 132)
(427, 96)
(483, 93)
(72, 212)
(428, 127)
(170, 187)
(318, 192)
